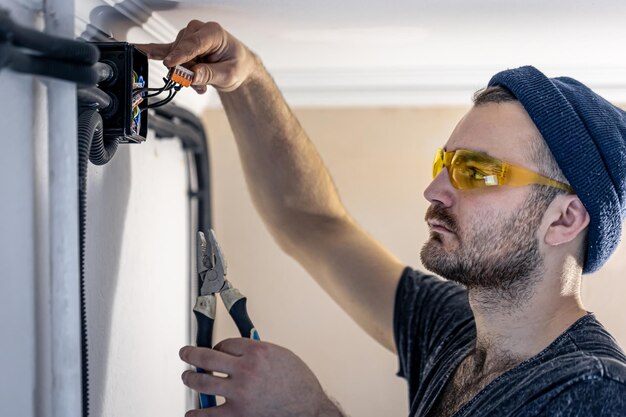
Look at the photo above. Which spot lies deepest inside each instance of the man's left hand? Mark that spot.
(262, 379)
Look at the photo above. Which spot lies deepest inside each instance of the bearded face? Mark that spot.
(494, 252)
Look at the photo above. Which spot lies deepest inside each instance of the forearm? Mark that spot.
(330, 409)
(289, 184)
(294, 194)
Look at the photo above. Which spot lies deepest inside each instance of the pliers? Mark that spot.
(211, 268)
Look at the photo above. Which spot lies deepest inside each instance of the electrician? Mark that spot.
(528, 193)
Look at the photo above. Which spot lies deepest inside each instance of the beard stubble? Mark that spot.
(500, 255)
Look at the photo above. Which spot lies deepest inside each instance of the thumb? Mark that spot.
(221, 75)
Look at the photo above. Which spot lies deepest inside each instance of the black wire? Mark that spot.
(166, 87)
(167, 100)
(162, 102)
(143, 90)
(159, 89)
(169, 94)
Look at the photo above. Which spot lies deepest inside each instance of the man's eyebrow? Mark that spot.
(482, 151)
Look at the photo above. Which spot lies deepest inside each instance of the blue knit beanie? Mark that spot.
(587, 136)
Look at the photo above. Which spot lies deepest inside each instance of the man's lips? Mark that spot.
(437, 226)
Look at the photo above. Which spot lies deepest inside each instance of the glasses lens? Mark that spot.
(438, 163)
(472, 170)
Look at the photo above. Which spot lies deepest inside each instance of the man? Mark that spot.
(528, 193)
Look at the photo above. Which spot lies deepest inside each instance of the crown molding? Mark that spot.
(415, 87)
(324, 86)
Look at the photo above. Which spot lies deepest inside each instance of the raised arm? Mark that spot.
(289, 184)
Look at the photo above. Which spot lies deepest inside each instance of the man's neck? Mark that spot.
(510, 332)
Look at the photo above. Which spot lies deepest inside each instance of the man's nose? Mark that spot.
(440, 190)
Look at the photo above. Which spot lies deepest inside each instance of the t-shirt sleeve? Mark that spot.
(592, 397)
(428, 311)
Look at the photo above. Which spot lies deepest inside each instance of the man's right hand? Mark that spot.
(215, 56)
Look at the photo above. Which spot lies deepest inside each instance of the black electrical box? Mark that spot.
(127, 118)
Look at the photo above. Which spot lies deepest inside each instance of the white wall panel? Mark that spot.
(137, 275)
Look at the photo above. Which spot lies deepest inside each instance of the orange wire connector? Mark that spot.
(180, 75)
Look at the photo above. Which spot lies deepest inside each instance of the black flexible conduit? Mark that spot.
(101, 150)
(96, 97)
(91, 147)
(87, 128)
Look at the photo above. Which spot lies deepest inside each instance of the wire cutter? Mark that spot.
(211, 268)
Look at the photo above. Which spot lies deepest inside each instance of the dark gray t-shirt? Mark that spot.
(581, 373)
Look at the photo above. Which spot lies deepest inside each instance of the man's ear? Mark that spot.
(568, 217)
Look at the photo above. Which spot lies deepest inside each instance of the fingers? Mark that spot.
(161, 50)
(236, 346)
(206, 383)
(208, 359)
(200, 89)
(222, 75)
(196, 40)
(155, 50)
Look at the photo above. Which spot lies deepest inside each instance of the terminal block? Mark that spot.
(180, 75)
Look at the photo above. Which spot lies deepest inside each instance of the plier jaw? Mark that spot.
(211, 264)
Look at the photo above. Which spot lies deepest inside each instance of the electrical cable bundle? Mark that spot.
(177, 78)
(30, 51)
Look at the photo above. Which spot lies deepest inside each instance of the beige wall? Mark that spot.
(380, 160)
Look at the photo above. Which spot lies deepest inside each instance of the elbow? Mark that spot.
(303, 232)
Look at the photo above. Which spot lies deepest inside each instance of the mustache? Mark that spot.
(441, 214)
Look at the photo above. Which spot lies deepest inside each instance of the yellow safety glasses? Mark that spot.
(468, 169)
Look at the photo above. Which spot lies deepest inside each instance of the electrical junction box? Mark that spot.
(127, 118)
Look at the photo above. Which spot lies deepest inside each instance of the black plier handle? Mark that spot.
(211, 266)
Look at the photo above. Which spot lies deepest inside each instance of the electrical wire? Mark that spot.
(168, 84)
(165, 88)
(169, 98)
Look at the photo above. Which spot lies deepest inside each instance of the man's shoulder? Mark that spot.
(593, 343)
(600, 396)
(582, 373)
(585, 352)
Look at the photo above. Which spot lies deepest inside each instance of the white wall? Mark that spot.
(137, 275)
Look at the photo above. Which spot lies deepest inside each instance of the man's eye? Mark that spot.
(474, 173)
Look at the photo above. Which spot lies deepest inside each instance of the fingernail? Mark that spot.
(182, 352)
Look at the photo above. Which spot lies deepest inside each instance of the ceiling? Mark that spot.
(416, 52)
